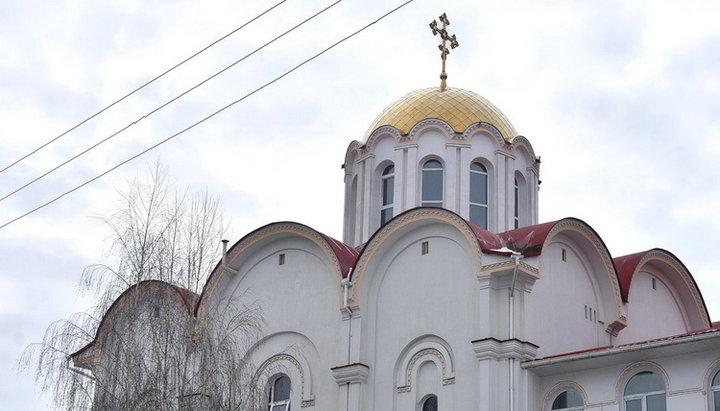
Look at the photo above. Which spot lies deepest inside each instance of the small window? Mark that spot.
(281, 259)
(654, 284)
(279, 399)
(715, 392)
(563, 254)
(425, 247)
(568, 400)
(388, 193)
(517, 205)
(432, 184)
(479, 195)
(430, 404)
(645, 391)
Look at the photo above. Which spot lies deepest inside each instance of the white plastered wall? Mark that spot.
(408, 295)
(301, 314)
(687, 377)
(558, 310)
(647, 303)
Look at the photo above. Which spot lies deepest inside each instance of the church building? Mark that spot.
(447, 293)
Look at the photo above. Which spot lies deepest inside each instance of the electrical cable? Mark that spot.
(147, 83)
(276, 79)
(167, 103)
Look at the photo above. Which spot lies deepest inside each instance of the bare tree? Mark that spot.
(141, 347)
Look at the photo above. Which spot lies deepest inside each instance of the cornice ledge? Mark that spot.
(492, 348)
(351, 373)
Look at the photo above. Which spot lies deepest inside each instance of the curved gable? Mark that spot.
(578, 292)
(339, 256)
(183, 300)
(601, 265)
(477, 239)
(654, 281)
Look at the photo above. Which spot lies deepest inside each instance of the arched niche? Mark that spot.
(288, 353)
(425, 348)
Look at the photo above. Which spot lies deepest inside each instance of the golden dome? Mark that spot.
(457, 107)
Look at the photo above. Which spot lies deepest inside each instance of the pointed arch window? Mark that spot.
(432, 184)
(479, 195)
(645, 391)
(715, 392)
(430, 403)
(279, 399)
(388, 194)
(568, 400)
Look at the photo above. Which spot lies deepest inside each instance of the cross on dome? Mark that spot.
(444, 39)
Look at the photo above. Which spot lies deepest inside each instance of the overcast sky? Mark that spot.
(621, 99)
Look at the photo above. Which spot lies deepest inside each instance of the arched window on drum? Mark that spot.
(479, 195)
(432, 184)
(388, 193)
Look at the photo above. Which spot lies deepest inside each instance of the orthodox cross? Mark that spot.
(444, 38)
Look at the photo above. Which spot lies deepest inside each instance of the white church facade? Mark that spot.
(447, 293)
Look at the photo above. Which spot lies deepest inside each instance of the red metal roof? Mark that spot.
(527, 240)
(609, 347)
(346, 255)
(625, 267)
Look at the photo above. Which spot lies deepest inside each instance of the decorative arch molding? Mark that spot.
(500, 141)
(522, 143)
(559, 388)
(339, 255)
(710, 372)
(426, 348)
(585, 232)
(381, 132)
(353, 152)
(427, 124)
(635, 368)
(404, 222)
(184, 299)
(695, 308)
(295, 367)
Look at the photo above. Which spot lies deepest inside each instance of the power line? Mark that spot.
(167, 103)
(209, 116)
(140, 87)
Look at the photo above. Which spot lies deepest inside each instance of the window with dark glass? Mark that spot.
(388, 189)
(645, 392)
(430, 404)
(517, 205)
(432, 184)
(715, 392)
(478, 195)
(568, 400)
(279, 399)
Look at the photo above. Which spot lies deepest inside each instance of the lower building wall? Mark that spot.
(601, 381)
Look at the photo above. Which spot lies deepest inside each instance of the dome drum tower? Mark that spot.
(446, 148)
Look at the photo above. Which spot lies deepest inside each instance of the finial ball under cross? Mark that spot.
(444, 39)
